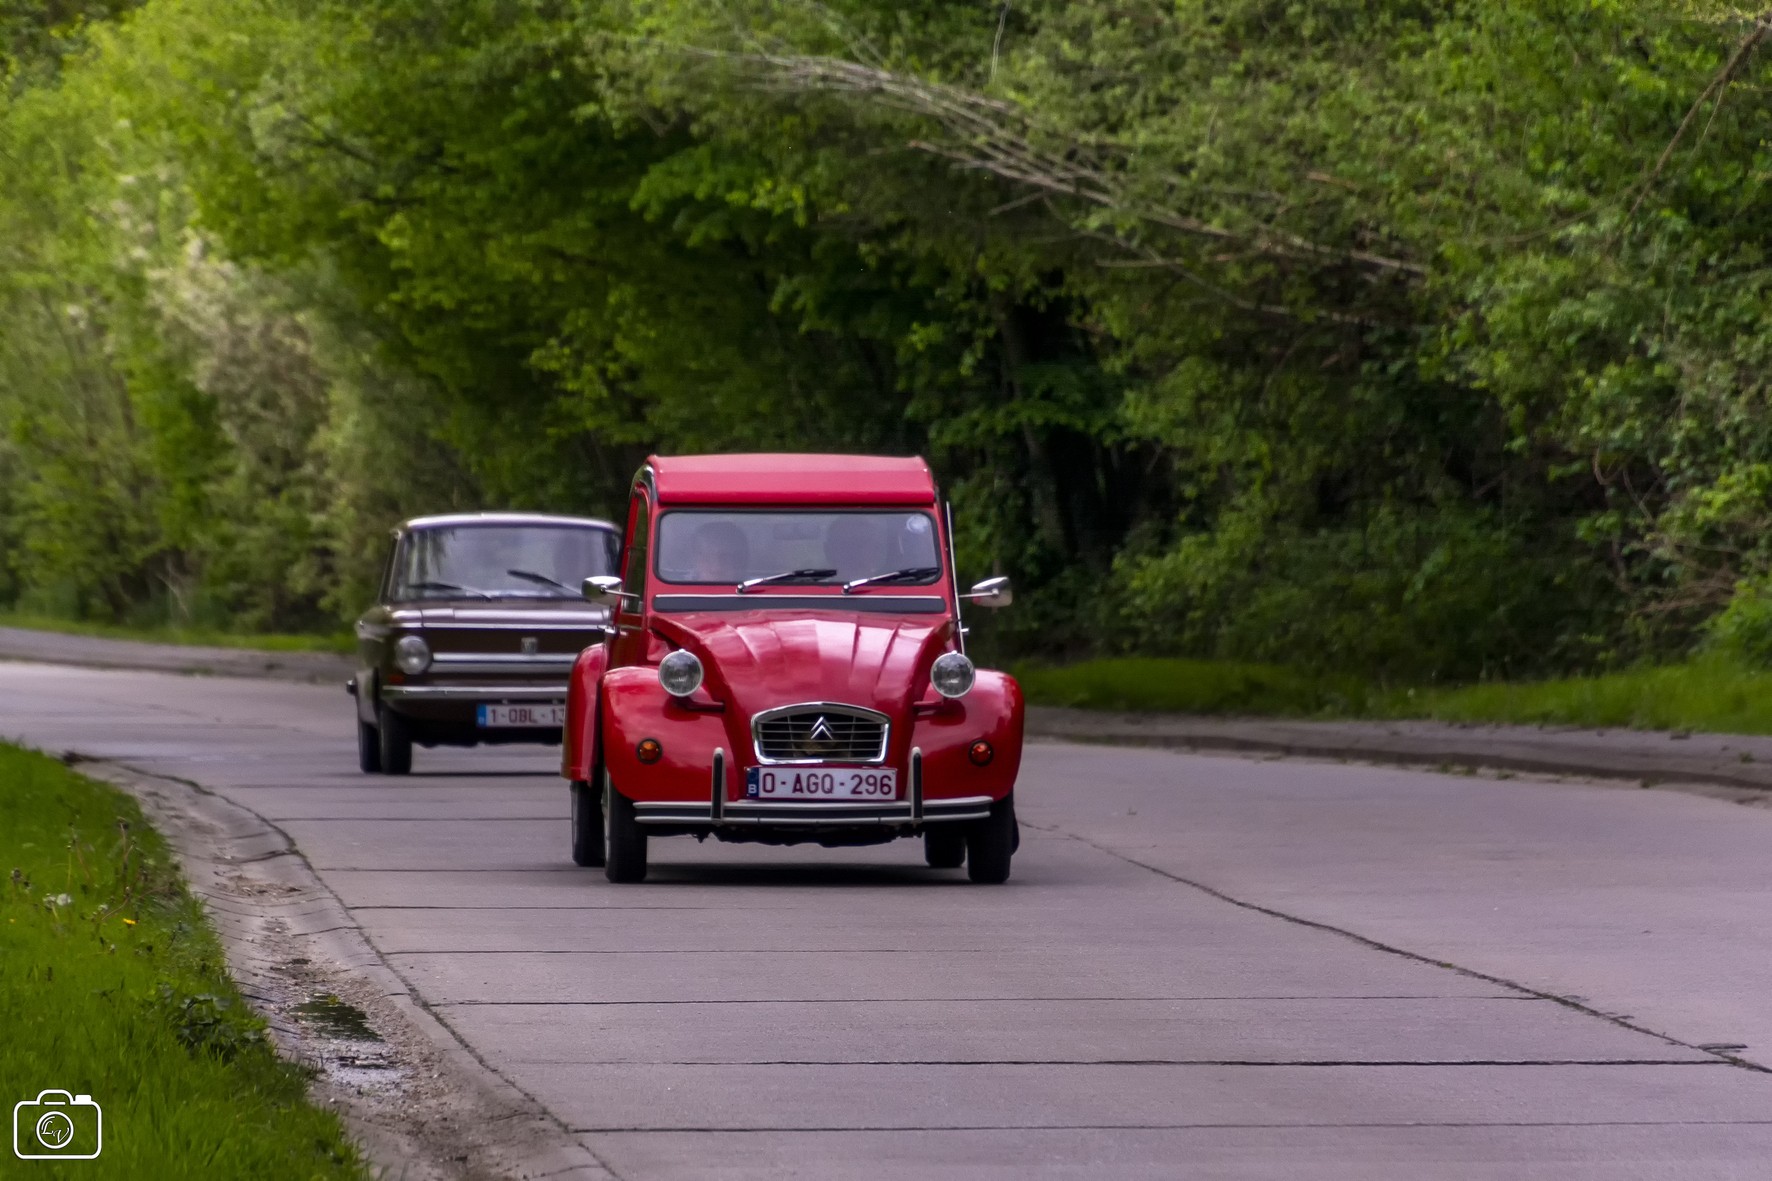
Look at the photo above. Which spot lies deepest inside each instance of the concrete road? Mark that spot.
(1203, 967)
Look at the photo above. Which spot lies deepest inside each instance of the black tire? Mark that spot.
(944, 846)
(991, 844)
(587, 825)
(368, 748)
(396, 742)
(624, 841)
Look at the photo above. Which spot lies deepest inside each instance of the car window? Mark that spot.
(701, 546)
(385, 588)
(639, 534)
(505, 561)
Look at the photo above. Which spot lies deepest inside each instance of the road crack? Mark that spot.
(1709, 1049)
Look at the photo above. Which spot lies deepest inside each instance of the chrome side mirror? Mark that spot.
(992, 592)
(604, 590)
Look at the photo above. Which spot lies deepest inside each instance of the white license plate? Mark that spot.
(498, 717)
(821, 783)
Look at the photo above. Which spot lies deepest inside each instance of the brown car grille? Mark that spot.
(820, 734)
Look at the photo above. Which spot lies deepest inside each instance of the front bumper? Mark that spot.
(718, 809)
(794, 815)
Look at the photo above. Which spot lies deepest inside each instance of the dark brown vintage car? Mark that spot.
(475, 631)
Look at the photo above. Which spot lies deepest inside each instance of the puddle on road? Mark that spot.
(327, 1015)
(344, 1046)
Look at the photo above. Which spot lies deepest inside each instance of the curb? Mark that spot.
(39, 647)
(271, 912)
(1646, 758)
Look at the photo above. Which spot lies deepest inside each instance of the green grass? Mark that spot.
(1710, 694)
(112, 985)
(1190, 686)
(207, 637)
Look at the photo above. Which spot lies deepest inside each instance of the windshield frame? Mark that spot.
(400, 589)
(799, 590)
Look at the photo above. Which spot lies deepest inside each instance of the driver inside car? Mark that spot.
(722, 553)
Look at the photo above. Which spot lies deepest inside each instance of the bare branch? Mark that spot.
(994, 136)
(1718, 86)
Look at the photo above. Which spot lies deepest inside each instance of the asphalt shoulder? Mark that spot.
(1643, 756)
(45, 647)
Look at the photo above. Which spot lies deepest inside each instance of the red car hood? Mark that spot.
(758, 660)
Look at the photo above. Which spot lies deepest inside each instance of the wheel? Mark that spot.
(944, 846)
(368, 748)
(587, 824)
(624, 842)
(991, 843)
(396, 742)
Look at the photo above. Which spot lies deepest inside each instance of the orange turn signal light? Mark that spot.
(980, 753)
(649, 750)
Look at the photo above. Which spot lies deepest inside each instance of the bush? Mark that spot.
(1412, 596)
(1743, 630)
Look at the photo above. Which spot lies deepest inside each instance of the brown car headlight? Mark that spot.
(952, 674)
(680, 673)
(412, 655)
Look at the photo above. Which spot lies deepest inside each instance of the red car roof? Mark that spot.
(791, 479)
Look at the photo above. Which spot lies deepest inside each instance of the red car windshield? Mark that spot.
(797, 548)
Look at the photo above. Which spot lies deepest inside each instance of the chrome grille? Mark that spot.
(820, 733)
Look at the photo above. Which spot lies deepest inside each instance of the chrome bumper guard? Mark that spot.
(793, 814)
(551, 693)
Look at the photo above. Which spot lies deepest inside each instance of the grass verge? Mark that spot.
(112, 985)
(206, 637)
(1157, 684)
(1710, 694)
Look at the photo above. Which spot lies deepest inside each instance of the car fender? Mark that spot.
(578, 742)
(992, 711)
(634, 707)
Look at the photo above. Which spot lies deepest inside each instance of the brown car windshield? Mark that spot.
(501, 561)
(806, 548)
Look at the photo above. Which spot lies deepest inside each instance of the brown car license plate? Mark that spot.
(501, 717)
(821, 783)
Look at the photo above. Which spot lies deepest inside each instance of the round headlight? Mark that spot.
(412, 654)
(680, 673)
(952, 674)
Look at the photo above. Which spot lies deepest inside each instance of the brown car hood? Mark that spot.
(546, 613)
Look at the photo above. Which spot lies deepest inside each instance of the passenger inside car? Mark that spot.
(852, 546)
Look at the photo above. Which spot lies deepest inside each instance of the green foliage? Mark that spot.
(1742, 631)
(206, 1023)
(1422, 339)
(1406, 596)
(111, 985)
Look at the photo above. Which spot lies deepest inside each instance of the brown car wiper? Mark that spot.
(542, 579)
(447, 586)
(906, 575)
(808, 574)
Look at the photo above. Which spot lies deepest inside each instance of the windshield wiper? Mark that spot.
(808, 574)
(448, 586)
(905, 575)
(542, 579)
